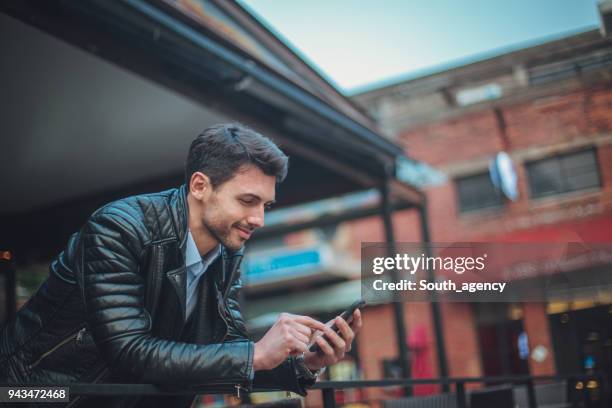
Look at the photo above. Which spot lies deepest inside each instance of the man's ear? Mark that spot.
(199, 185)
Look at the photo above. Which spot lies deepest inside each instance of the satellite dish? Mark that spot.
(503, 175)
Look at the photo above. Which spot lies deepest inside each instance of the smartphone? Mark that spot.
(346, 315)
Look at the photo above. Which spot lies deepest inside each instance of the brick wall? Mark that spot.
(537, 128)
(528, 130)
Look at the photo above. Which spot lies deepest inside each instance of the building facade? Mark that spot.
(549, 108)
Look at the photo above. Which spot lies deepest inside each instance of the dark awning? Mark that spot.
(103, 98)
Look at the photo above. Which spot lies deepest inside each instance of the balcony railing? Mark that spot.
(588, 391)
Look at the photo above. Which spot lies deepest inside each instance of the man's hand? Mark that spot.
(289, 335)
(333, 351)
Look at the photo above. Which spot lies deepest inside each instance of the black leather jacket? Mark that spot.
(113, 310)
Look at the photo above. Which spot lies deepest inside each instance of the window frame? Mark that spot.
(534, 195)
(487, 208)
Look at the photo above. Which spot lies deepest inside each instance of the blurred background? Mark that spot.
(428, 121)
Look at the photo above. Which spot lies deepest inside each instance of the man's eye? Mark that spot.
(268, 207)
(247, 202)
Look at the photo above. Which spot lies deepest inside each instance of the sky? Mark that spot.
(357, 44)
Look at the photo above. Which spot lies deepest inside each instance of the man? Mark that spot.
(146, 291)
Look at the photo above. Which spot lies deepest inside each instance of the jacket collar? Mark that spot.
(180, 215)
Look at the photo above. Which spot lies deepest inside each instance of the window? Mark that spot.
(563, 173)
(477, 192)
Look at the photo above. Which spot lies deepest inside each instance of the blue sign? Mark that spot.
(261, 267)
(417, 173)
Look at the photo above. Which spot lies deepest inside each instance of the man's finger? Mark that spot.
(335, 340)
(300, 336)
(301, 347)
(296, 345)
(305, 330)
(310, 322)
(325, 347)
(346, 332)
(357, 322)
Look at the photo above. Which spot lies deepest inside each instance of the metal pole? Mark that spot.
(588, 401)
(435, 306)
(329, 398)
(606, 395)
(531, 395)
(7, 268)
(398, 305)
(11, 296)
(460, 389)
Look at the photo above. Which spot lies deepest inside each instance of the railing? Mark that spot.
(328, 388)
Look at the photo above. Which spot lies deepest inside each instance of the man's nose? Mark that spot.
(256, 219)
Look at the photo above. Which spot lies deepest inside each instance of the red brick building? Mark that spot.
(548, 106)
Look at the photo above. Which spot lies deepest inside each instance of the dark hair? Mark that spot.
(222, 150)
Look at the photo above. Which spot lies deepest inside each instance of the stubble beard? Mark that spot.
(222, 235)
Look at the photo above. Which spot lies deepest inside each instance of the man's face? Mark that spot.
(236, 208)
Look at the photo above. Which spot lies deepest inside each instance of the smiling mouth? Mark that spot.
(244, 233)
